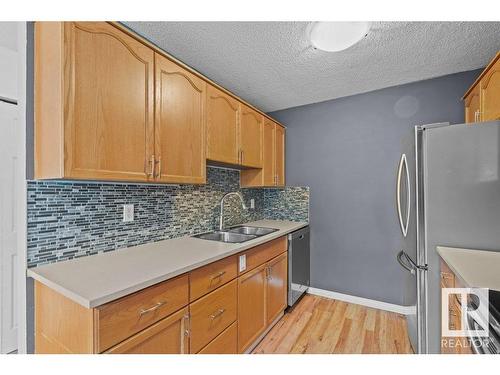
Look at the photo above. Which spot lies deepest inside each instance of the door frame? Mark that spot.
(22, 191)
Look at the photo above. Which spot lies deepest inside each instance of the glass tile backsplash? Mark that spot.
(74, 219)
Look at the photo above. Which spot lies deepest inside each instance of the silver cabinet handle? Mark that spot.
(151, 309)
(159, 168)
(403, 163)
(218, 275)
(152, 166)
(184, 332)
(217, 314)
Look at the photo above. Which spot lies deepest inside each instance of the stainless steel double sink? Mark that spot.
(237, 234)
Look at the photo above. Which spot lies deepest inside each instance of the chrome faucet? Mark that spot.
(221, 218)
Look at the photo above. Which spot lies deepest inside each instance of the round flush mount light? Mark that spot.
(337, 36)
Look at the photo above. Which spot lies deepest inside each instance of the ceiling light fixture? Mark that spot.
(337, 36)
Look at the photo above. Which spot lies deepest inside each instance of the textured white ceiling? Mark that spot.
(273, 66)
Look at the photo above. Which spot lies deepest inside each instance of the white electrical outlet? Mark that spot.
(243, 262)
(252, 203)
(128, 213)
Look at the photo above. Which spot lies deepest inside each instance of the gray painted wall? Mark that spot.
(347, 151)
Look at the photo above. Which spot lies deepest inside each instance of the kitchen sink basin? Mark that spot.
(237, 234)
(228, 237)
(257, 231)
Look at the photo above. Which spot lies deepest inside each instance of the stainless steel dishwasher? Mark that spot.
(298, 264)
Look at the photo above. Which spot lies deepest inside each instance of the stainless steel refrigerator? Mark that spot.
(448, 195)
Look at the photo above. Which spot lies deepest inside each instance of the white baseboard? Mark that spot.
(404, 310)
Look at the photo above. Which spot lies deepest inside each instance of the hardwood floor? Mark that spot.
(320, 326)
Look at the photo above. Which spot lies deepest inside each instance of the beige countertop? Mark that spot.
(95, 280)
(476, 268)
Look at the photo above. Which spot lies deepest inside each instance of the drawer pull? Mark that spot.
(217, 314)
(446, 275)
(151, 309)
(218, 275)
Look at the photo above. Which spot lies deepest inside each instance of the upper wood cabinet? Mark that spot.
(482, 100)
(223, 115)
(269, 165)
(279, 151)
(179, 124)
(490, 93)
(250, 137)
(111, 106)
(272, 172)
(472, 107)
(93, 103)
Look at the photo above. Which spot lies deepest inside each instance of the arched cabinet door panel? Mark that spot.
(490, 93)
(179, 124)
(251, 124)
(280, 155)
(108, 103)
(223, 112)
(472, 106)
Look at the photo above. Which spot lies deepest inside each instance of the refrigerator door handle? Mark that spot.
(403, 163)
(406, 262)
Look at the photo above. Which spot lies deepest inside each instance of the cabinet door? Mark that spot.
(280, 155)
(269, 165)
(108, 111)
(225, 343)
(179, 124)
(250, 137)
(251, 307)
(276, 286)
(168, 336)
(472, 111)
(490, 93)
(223, 114)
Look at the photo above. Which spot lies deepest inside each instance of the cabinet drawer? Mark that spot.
(225, 343)
(122, 318)
(212, 314)
(168, 336)
(262, 253)
(205, 279)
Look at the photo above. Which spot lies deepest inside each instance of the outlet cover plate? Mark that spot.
(128, 213)
(243, 262)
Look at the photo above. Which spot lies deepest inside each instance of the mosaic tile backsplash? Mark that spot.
(74, 219)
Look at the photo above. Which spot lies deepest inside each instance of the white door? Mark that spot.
(10, 169)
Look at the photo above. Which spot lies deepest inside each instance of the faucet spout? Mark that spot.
(221, 217)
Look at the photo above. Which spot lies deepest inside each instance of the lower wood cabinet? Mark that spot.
(212, 314)
(276, 287)
(227, 311)
(225, 343)
(262, 298)
(117, 320)
(251, 307)
(168, 336)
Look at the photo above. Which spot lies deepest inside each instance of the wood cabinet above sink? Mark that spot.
(109, 105)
